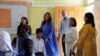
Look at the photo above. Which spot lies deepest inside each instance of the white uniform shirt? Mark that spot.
(71, 36)
(39, 46)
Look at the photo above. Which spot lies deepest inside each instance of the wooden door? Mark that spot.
(77, 12)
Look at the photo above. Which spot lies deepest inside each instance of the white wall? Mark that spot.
(16, 13)
(97, 19)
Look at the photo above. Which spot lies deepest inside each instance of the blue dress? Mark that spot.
(20, 48)
(52, 45)
(18, 45)
(2, 53)
(21, 51)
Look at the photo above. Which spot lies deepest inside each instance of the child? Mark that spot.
(17, 42)
(28, 47)
(39, 47)
(5, 44)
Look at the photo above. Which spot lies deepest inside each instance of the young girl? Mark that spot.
(19, 40)
(28, 47)
(5, 44)
(24, 21)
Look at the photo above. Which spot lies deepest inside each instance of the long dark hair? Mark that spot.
(25, 19)
(20, 27)
(49, 20)
(90, 19)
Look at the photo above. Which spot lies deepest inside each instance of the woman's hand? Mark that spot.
(46, 40)
(73, 49)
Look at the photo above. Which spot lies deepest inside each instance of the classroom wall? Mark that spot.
(97, 21)
(39, 7)
(36, 16)
(16, 13)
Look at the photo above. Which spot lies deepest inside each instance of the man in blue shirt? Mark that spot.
(64, 25)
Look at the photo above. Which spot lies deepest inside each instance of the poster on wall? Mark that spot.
(10, 17)
(5, 18)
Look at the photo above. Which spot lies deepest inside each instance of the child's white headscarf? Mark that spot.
(5, 42)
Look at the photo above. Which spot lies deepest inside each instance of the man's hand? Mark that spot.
(58, 38)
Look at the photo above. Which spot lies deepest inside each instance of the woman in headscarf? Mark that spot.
(5, 44)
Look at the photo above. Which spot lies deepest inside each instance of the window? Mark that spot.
(90, 6)
(90, 1)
